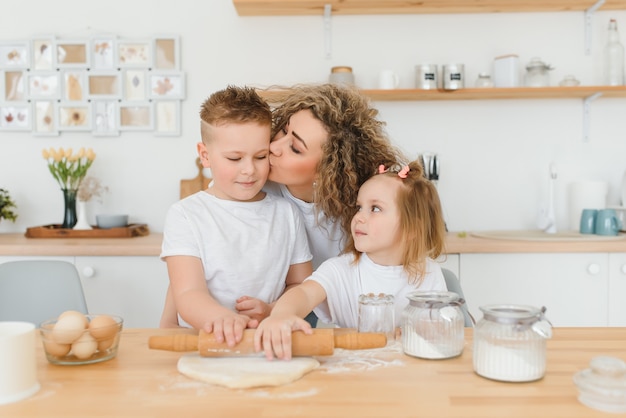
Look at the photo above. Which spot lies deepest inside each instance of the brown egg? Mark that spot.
(57, 350)
(85, 346)
(69, 327)
(105, 344)
(103, 327)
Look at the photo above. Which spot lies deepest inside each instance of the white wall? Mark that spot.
(495, 154)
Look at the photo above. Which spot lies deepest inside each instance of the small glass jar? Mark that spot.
(510, 343)
(433, 325)
(376, 314)
(484, 81)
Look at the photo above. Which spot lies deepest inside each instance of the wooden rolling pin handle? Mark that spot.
(180, 342)
(360, 340)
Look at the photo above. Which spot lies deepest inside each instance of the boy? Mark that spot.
(232, 250)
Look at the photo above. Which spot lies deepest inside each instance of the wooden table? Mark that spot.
(141, 382)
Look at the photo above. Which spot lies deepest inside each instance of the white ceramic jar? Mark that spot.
(510, 343)
(433, 325)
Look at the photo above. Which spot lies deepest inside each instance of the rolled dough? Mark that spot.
(245, 372)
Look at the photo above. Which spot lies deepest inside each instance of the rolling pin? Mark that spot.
(322, 342)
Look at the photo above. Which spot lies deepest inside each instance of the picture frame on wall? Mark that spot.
(105, 118)
(74, 116)
(166, 53)
(15, 116)
(72, 54)
(14, 54)
(45, 118)
(74, 86)
(136, 116)
(166, 85)
(134, 85)
(103, 53)
(43, 54)
(43, 85)
(134, 53)
(103, 85)
(14, 85)
(167, 118)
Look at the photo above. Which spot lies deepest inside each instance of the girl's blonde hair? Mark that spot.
(356, 143)
(422, 228)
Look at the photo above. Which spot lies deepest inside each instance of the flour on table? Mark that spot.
(245, 372)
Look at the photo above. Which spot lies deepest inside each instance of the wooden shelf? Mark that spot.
(363, 7)
(581, 92)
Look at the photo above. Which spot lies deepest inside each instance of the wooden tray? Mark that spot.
(55, 231)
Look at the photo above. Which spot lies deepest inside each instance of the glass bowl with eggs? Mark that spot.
(74, 338)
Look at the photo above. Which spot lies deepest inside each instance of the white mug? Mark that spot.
(387, 80)
(18, 364)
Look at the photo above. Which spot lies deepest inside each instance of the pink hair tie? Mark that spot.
(403, 173)
(381, 169)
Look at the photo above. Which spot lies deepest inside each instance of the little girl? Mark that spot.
(397, 232)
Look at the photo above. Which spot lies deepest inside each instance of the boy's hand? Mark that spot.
(273, 336)
(229, 328)
(252, 307)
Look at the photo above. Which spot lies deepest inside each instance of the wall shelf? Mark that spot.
(363, 7)
(581, 92)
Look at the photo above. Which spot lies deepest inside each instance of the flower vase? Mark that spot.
(69, 198)
(82, 222)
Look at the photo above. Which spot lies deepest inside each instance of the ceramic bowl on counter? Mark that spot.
(75, 338)
(111, 221)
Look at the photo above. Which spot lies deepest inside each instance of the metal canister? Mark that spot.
(510, 343)
(453, 76)
(426, 77)
(433, 325)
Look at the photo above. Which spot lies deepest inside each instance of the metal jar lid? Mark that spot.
(536, 64)
(434, 299)
(520, 316)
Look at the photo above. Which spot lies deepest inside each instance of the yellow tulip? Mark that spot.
(81, 152)
(45, 154)
(68, 152)
(91, 155)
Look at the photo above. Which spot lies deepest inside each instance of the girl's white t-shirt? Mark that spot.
(344, 281)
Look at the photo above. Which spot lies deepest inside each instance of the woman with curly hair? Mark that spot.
(326, 142)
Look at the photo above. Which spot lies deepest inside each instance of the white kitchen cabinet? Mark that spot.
(573, 287)
(617, 289)
(133, 287)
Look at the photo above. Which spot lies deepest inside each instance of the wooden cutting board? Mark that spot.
(191, 186)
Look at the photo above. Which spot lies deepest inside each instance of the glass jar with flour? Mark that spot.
(510, 343)
(433, 325)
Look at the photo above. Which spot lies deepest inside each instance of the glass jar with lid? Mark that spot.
(538, 73)
(510, 343)
(341, 75)
(433, 325)
(484, 81)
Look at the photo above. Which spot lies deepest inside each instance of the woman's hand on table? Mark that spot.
(253, 308)
(273, 335)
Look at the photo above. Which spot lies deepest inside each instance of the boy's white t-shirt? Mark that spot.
(246, 248)
(344, 281)
(325, 237)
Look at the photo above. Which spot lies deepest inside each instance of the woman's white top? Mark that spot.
(325, 237)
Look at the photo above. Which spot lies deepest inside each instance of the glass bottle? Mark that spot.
(614, 56)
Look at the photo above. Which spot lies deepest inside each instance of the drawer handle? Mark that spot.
(593, 268)
(88, 272)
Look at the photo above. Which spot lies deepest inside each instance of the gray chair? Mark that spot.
(454, 285)
(36, 290)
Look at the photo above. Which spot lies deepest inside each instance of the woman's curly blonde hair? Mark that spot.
(356, 144)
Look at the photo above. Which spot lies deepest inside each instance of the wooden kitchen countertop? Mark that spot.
(150, 245)
(141, 382)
